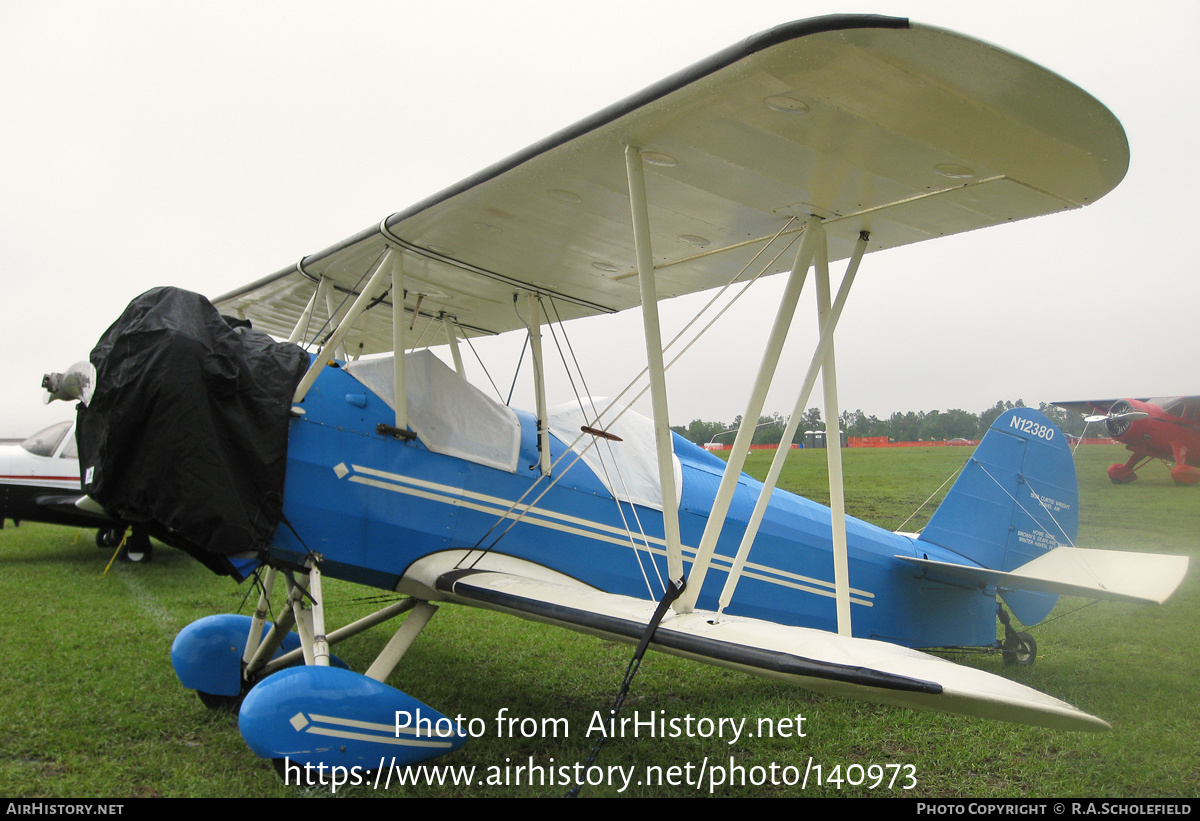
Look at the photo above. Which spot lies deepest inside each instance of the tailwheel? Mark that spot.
(1017, 649)
(1020, 649)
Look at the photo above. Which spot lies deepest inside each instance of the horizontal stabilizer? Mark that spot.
(815, 659)
(1114, 575)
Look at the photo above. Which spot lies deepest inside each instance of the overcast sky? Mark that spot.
(208, 144)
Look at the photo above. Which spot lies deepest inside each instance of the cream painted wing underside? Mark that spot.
(814, 659)
(873, 124)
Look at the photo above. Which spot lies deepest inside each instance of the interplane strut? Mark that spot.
(654, 359)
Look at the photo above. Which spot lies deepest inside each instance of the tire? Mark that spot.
(109, 537)
(214, 702)
(1121, 474)
(1020, 650)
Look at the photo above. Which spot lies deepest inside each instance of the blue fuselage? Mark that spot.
(371, 505)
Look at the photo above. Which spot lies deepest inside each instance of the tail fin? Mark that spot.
(1015, 500)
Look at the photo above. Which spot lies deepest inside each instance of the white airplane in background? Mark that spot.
(816, 141)
(39, 482)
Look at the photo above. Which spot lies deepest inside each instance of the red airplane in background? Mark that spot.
(1167, 429)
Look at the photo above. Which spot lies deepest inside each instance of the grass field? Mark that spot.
(93, 708)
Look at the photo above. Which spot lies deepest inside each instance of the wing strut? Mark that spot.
(451, 328)
(833, 441)
(399, 366)
(828, 324)
(654, 359)
(306, 314)
(339, 334)
(813, 233)
(539, 381)
(331, 310)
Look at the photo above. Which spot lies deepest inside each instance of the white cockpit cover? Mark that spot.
(629, 468)
(449, 415)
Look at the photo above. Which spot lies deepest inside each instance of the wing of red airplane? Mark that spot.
(1087, 407)
(874, 124)
(1183, 407)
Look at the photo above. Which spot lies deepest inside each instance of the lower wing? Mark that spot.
(814, 659)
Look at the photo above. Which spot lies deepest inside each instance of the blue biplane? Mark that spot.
(816, 141)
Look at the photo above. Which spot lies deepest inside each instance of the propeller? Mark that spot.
(1119, 417)
(76, 383)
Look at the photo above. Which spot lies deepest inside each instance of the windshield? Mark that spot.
(45, 442)
(1185, 407)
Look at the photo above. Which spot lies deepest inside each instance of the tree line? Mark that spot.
(913, 426)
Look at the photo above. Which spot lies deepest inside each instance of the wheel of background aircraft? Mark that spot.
(108, 537)
(1121, 475)
(1185, 475)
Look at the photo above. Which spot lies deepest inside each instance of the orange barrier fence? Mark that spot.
(882, 442)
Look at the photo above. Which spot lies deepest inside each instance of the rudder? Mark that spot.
(1015, 500)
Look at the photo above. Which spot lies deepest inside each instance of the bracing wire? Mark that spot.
(345, 297)
(486, 373)
(603, 464)
(1017, 502)
(517, 370)
(526, 508)
(429, 323)
(931, 497)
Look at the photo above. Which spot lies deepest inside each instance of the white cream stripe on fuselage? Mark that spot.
(556, 520)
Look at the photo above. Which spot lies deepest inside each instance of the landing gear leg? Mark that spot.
(1019, 649)
(279, 716)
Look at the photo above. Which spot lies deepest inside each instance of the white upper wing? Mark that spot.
(872, 123)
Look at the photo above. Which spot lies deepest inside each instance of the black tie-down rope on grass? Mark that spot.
(674, 589)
